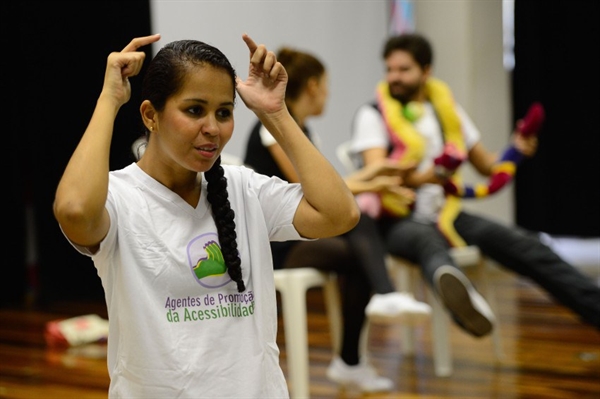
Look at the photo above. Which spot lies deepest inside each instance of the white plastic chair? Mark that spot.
(406, 276)
(345, 156)
(293, 284)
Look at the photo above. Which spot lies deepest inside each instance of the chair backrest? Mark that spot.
(138, 147)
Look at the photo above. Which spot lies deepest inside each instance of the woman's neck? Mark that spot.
(182, 182)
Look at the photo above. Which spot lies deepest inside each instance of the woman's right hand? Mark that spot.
(121, 66)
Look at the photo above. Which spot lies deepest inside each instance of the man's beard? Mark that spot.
(407, 94)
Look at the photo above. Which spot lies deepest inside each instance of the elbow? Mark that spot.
(349, 220)
(339, 218)
(69, 213)
(353, 217)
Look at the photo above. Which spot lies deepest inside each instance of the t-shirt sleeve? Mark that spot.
(108, 239)
(280, 201)
(277, 200)
(470, 132)
(368, 131)
(266, 138)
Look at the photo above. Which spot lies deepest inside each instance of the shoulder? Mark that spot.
(242, 177)
(367, 115)
(125, 177)
(367, 111)
(470, 131)
(370, 106)
(266, 138)
(248, 188)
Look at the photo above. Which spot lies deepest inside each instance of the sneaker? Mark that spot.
(362, 376)
(468, 308)
(397, 306)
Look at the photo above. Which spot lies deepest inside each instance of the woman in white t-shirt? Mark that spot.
(180, 242)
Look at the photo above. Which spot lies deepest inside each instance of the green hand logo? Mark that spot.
(213, 264)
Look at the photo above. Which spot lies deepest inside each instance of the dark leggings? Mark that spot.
(357, 258)
(512, 247)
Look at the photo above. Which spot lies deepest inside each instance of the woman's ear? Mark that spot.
(148, 115)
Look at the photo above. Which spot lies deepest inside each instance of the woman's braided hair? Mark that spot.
(224, 219)
(164, 78)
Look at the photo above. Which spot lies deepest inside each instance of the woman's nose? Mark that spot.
(210, 126)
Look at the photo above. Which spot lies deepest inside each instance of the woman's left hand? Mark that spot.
(264, 89)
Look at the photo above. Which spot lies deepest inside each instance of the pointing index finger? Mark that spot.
(250, 43)
(138, 42)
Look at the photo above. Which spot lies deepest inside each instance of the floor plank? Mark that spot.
(548, 353)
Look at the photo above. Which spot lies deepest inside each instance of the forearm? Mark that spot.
(374, 184)
(482, 159)
(328, 207)
(417, 179)
(358, 186)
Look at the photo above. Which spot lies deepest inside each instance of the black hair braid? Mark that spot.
(217, 196)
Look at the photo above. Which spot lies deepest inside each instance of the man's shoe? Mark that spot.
(362, 376)
(469, 309)
(397, 306)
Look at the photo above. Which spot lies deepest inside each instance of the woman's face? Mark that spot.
(321, 95)
(197, 122)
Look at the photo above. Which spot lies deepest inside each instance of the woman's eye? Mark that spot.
(224, 113)
(197, 110)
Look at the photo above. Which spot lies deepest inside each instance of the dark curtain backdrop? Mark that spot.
(54, 57)
(556, 55)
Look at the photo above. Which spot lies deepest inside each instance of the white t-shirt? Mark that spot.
(370, 132)
(179, 333)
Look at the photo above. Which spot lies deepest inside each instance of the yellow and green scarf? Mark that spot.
(409, 146)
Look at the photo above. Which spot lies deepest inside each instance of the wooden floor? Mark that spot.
(548, 353)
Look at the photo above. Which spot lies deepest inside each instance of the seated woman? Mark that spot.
(358, 257)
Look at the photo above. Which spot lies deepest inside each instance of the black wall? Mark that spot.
(54, 57)
(556, 54)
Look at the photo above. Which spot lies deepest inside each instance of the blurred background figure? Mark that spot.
(358, 257)
(415, 119)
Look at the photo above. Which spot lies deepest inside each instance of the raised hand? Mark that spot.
(121, 66)
(533, 120)
(524, 138)
(264, 89)
(526, 145)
